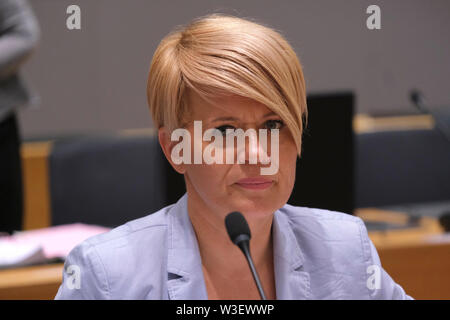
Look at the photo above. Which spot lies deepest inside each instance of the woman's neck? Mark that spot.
(219, 255)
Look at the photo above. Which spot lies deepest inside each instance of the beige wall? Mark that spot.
(94, 79)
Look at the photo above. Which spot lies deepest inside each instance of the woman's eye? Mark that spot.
(274, 124)
(224, 128)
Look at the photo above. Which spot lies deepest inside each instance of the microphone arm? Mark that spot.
(245, 248)
(418, 100)
(239, 233)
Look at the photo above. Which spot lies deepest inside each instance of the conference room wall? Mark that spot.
(94, 79)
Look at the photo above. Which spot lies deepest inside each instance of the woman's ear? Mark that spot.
(167, 145)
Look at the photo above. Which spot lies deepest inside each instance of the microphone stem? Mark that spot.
(421, 105)
(246, 250)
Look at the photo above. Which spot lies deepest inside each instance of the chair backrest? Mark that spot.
(402, 167)
(325, 171)
(108, 180)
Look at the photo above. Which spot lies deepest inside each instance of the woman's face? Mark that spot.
(223, 188)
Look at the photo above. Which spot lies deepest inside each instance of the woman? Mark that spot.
(226, 73)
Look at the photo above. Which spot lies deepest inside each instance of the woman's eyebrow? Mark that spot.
(229, 118)
(225, 119)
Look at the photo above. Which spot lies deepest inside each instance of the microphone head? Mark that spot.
(237, 227)
(418, 100)
(414, 95)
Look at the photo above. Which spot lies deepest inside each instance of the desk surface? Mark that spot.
(398, 238)
(419, 266)
(37, 282)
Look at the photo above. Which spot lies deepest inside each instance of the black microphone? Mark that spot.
(418, 100)
(239, 232)
(420, 103)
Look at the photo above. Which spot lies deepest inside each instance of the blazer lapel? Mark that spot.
(291, 280)
(185, 276)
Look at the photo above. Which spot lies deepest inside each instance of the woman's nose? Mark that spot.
(255, 148)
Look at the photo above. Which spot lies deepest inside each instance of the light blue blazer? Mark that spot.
(318, 254)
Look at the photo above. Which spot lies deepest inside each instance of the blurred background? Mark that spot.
(377, 143)
(94, 79)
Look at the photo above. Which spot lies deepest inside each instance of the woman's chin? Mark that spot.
(255, 207)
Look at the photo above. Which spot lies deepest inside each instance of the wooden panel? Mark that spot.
(420, 267)
(37, 282)
(423, 271)
(36, 185)
(364, 123)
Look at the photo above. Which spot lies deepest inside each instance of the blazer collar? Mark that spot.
(185, 275)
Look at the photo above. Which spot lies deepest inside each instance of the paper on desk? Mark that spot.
(13, 253)
(439, 238)
(44, 244)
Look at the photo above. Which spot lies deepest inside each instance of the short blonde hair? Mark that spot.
(221, 54)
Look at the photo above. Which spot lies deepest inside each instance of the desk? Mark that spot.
(420, 267)
(37, 282)
(398, 238)
(423, 270)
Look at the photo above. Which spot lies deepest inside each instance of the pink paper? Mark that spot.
(58, 241)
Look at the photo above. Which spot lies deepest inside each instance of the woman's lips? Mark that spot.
(255, 183)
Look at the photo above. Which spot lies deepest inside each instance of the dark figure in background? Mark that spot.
(19, 34)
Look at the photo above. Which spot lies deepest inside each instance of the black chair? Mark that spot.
(402, 167)
(108, 180)
(325, 171)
